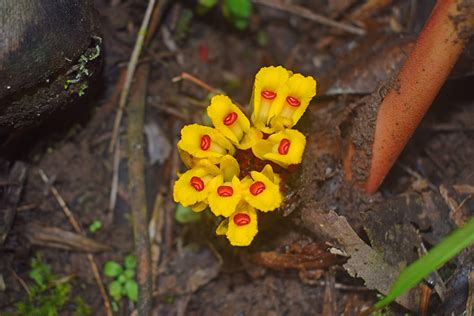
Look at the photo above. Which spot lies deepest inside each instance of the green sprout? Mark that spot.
(123, 284)
(79, 72)
(49, 294)
(236, 11)
(95, 226)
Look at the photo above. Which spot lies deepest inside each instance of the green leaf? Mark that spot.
(112, 269)
(208, 4)
(115, 306)
(130, 262)
(186, 215)
(132, 290)
(238, 8)
(434, 259)
(121, 279)
(129, 273)
(95, 226)
(115, 290)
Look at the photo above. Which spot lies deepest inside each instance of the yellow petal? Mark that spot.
(228, 118)
(283, 148)
(297, 96)
(268, 92)
(204, 142)
(221, 230)
(242, 225)
(229, 167)
(252, 136)
(199, 207)
(224, 196)
(192, 186)
(261, 192)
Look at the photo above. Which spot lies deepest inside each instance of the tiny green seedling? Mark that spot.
(124, 284)
(236, 11)
(95, 226)
(49, 294)
(79, 72)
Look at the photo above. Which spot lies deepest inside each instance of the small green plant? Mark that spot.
(236, 11)
(48, 293)
(79, 72)
(95, 226)
(123, 284)
(434, 259)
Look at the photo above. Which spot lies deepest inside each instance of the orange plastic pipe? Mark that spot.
(437, 49)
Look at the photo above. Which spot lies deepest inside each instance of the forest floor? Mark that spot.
(196, 272)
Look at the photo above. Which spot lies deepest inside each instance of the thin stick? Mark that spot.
(197, 81)
(115, 181)
(310, 15)
(132, 65)
(136, 187)
(78, 229)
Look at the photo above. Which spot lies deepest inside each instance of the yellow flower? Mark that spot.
(204, 142)
(283, 148)
(297, 94)
(228, 118)
(192, 188)
(262, 190)
(268, 92)
(241, 227)
(224, 196)
(224, 189)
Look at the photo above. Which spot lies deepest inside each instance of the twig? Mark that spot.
(308, 14)
(21, 281)
(132, 65)
(197, 81)
(156, 233)
(136, 187)
(78, 229)
(470, 298)
(115, 181)
(418, 176)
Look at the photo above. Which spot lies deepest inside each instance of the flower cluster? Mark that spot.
(215, 178)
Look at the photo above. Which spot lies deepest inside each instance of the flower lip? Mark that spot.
(241, 219)
(205, 142)
(284, 146)
(225, 191)
(269, 95)
(257, 188)
(293, 101)
(197, 183)
(230, 118)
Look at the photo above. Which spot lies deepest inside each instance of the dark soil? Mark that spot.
(197, 272)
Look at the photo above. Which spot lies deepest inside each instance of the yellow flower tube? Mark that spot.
(191, 188)
(241, 227)
(204, 142)
(268, 93)
(262, 190)
(297, 96)
(283, 148)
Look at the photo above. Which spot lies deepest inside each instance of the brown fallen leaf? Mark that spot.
(312, 256)
(57, 238)
(364, 262)
(10, 192)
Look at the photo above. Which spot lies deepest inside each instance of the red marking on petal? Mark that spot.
(205, 142)
(230, 118)
(241, 219)
(225, 191)
(269, 95)
(293, 101)
(257, 188)
(197, 183)
(284, 146)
